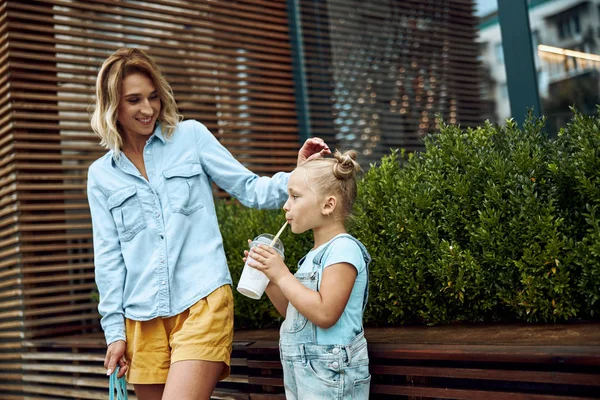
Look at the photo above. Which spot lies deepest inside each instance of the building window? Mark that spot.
(535, 41)
(499, 53)
(482, 50)
(569, 25)
(504, 91)
(564, 29)
(576, 24)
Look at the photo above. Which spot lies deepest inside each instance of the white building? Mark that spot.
(565, 35)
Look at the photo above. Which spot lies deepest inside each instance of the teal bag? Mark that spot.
(118, 386)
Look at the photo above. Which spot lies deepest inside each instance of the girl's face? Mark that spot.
(139, 105)
(303, 206)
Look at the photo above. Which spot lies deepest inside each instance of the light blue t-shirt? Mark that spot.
(350, 322)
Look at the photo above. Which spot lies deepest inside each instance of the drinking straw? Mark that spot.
(278, 234)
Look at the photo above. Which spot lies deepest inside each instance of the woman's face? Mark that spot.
(139, 105)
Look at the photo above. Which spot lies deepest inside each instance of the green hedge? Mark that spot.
(487, 224)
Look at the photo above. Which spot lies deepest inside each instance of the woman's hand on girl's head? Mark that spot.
(267, 260)
(313, 148)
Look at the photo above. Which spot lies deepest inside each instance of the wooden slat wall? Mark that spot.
(229, 64)
(378, 71)
(11, 301)
(232, 74)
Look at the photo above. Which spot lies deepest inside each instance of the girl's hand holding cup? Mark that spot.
(253, 281)
(268, 261)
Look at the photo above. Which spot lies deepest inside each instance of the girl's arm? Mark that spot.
(322, 308)
(277, 298)
(325, 307)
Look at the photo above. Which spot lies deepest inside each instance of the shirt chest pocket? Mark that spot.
(126, 209)
(184, 188)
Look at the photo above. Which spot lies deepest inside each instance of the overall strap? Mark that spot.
(319, 258)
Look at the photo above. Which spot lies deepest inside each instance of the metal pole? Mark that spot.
(301, 91)
(519, 60)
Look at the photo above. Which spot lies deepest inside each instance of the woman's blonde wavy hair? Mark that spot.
(119, 65)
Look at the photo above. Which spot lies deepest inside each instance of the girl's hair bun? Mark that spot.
(346, 166)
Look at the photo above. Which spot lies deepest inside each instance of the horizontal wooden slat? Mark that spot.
(516, 354)
(62, 97)
(99, 369)
(447, 393)
(489, 374)
(53, 300)
(179, 18)
(265, 381)
(266, 396)
(63, 392)
(89, 138)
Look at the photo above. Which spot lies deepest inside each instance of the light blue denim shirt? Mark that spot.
(157, 245)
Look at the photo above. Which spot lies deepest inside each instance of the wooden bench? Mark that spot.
(496, 362)
(491, 362)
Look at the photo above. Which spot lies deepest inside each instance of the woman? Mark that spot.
(165, 290)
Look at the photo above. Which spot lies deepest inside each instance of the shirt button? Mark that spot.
(335, 364)
(335, 351)
(163, 282)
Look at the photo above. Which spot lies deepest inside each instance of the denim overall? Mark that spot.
(322, 372)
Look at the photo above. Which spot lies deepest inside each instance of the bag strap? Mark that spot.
(117, 385)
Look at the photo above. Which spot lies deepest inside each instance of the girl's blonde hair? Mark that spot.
(119, 65)
(336, 175)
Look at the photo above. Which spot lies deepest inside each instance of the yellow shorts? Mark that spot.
(202, 332)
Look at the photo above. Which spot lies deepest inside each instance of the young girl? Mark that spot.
(322, 346)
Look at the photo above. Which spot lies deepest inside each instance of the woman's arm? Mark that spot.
(233, 177)
(109, 267)
(322, 308)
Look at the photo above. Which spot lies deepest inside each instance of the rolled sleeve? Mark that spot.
(109, 267)
(250, 189)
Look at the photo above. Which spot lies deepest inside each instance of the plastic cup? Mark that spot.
(253, 282)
